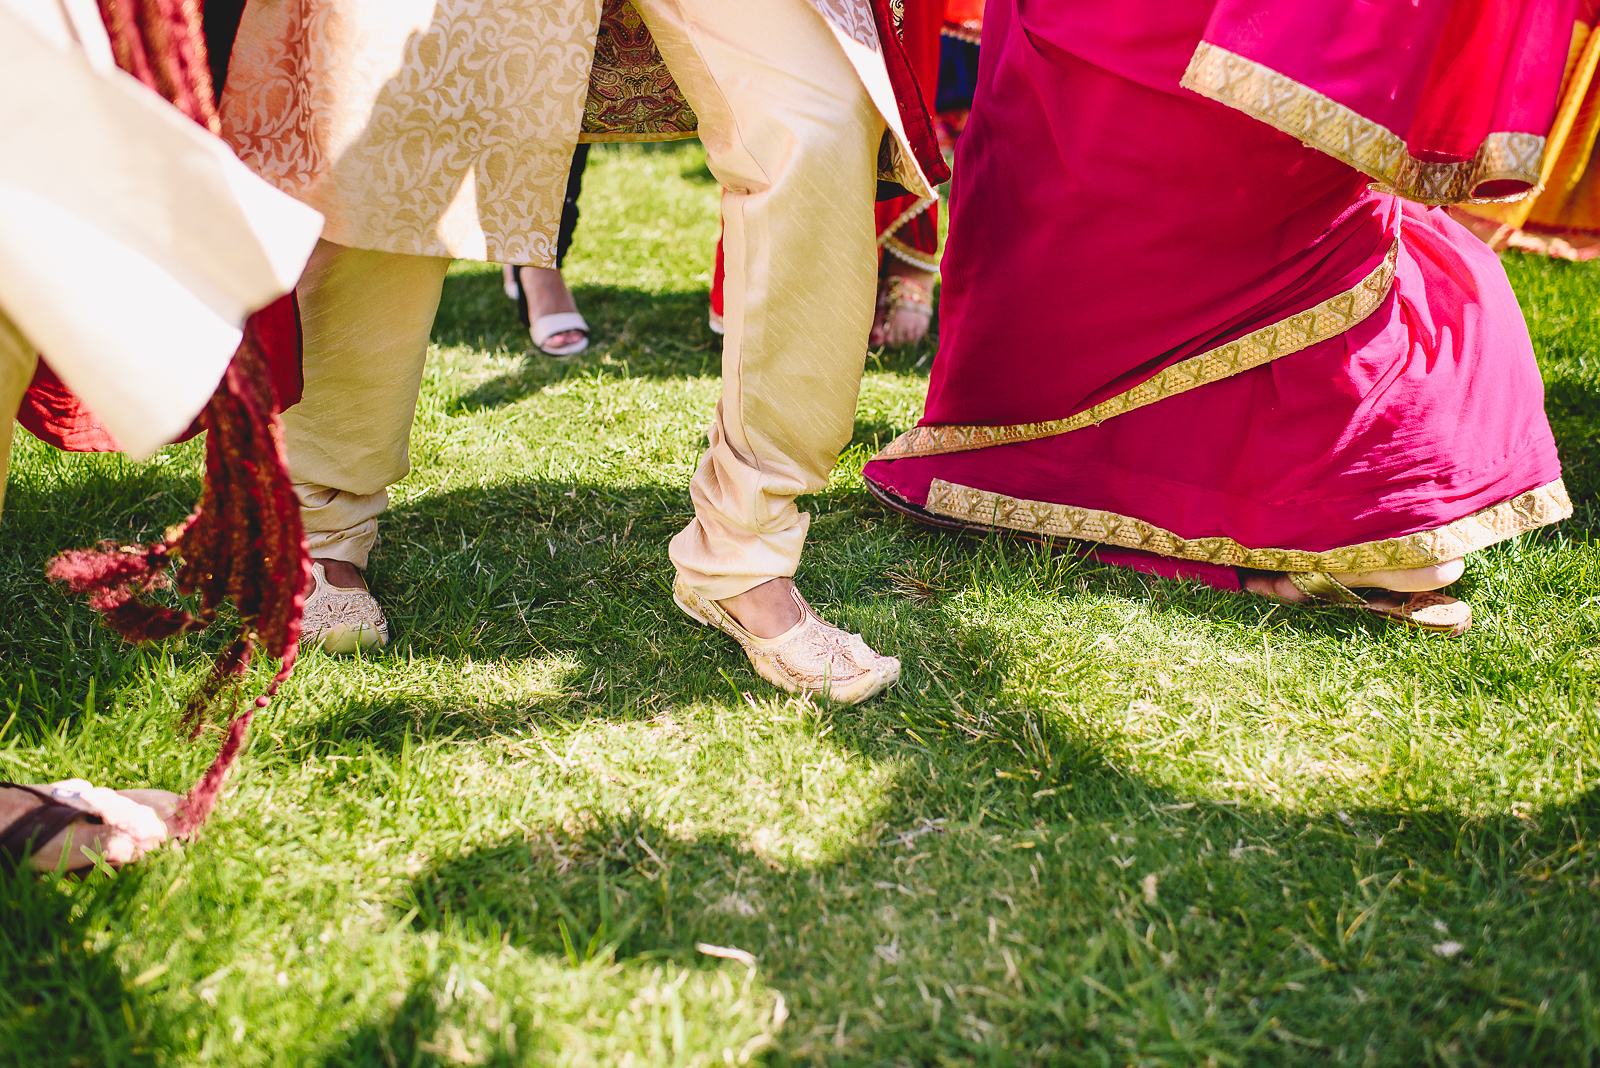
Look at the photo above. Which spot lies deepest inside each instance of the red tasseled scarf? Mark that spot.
(244, 542)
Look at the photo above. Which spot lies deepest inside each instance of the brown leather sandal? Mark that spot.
(39, 825)
(136, 827)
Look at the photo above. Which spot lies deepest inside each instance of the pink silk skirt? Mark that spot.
(1179, 335)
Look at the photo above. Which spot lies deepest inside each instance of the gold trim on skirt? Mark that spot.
(1334, 129)
(1534, 509)
(1332, 317)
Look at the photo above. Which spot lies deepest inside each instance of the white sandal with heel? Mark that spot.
(548, 326)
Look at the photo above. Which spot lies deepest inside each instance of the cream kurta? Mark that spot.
(446, 127)
(99, 173)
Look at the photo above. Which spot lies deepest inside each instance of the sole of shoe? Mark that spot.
(347, 641)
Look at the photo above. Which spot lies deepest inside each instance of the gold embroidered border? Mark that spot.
(1534, 509)
(1329, 319)
(1334, 129)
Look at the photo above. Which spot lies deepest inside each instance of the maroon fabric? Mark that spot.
(52, 414)
(919, 33)
(243, 544)
(915, 114)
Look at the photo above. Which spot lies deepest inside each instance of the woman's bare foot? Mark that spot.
(134, 822)
(905, 305)
(1399, 581)
(548, 294)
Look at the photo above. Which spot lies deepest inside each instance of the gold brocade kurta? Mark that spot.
(446, 127)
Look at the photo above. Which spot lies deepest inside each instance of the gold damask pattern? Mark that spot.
(1329, 319)
(981, 508)
(1334, 129)
(426, 127)
(445, 127)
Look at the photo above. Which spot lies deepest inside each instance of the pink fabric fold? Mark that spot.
(1442, 75)
(1107, 224)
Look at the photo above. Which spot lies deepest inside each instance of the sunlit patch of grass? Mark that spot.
(1103, 819)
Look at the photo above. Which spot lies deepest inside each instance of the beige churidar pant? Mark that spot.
(17, 360)
(792, 135)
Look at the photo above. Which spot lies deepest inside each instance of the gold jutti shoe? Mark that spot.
(341, 620)
(812, 657)
(1431, 611)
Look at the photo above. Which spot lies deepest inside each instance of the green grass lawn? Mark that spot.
(1103, 819)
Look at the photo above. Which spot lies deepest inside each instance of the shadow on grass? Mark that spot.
(575, 578)
(1572, 404)
(61, 988)
(636, 333)
(416, 1034)
(1087, 916)
(642, 333)
(53, 650)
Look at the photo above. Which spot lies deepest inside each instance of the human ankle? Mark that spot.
(547, 291)
(768, 610)
(343, 574)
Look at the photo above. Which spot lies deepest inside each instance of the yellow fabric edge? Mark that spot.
(630, 138)
(1335, 130)
(1529, 511)
(1316, 324)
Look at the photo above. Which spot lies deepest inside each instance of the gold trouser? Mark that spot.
(365, 318)
(17, 360)
(792, 136)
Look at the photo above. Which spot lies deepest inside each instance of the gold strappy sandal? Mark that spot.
(901, 294)
(1431, 611)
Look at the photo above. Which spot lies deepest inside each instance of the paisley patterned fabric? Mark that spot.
(445, 127)
(632, 97)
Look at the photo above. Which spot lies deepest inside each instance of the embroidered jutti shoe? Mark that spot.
(342, 620)
(811, 658)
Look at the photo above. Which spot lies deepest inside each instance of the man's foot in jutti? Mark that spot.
(791, 646)
(341, 614)
(1408, 596)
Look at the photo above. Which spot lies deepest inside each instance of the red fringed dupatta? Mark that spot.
(243, 543)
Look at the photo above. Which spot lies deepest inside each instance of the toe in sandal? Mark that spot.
(342, 620)
(548, 326)
(1430, 611)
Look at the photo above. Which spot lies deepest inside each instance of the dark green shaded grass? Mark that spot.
(1103, 820)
